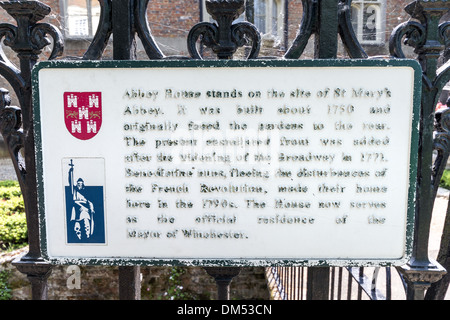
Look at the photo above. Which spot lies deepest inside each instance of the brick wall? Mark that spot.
(395, 14)
(172, 18)
(101, 283)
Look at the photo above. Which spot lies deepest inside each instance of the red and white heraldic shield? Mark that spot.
(83, 113)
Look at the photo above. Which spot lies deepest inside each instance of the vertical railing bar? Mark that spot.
(373, 286)
(286, 278)
(332, 283)
(286, 282)
(274, 274)
(304, 276)
(302, 271)
(291, 283)
(286, 291)
(360, 276)
(349, 286)
(277, 279)
(388, 284)
(340, 284)
(294, 283)
(129, 276)
(366, 285)
(281, 273)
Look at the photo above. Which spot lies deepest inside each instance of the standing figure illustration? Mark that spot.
(83, 211)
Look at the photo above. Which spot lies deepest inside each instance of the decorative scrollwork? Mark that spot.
(7, 69)
(29, 43)
(27, 13)
(443, 29)
(10, 128)
(206, 32)
(8, 34)
(242, 32)
(442, 78)
(410, 33)
(40, 40)
(441, 144)
(224, 38)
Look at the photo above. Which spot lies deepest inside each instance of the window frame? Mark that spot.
(269, 17)
(65, 21)
(380, 21)
(268, 13)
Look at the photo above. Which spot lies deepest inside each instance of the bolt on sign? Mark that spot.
(227, 162)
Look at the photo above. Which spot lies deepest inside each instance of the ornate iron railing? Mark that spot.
(323, 19)
(356, 283)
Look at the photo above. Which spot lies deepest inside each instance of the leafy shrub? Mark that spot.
(13, 225)
(9, 183)
(5, 289)
(175, 290)
(445, 180)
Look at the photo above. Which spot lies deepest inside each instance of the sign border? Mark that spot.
(259, 63)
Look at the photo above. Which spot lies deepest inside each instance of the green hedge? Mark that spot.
(13, 224)
(445, 180)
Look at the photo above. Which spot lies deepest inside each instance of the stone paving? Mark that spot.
(7, 170)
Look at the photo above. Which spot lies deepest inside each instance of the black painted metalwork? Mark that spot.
(224, 38)
(127, 18)
(223, 277)
(427, 36)
(325, 19)
(352, 283)
(27, 39)
(438, 289)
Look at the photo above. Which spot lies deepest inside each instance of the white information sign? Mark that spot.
(214, 163)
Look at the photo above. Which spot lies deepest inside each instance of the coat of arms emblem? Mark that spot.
(83, 113)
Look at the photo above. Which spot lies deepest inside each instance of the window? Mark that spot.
(368, 19)
(267, 16)
(81, 18)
